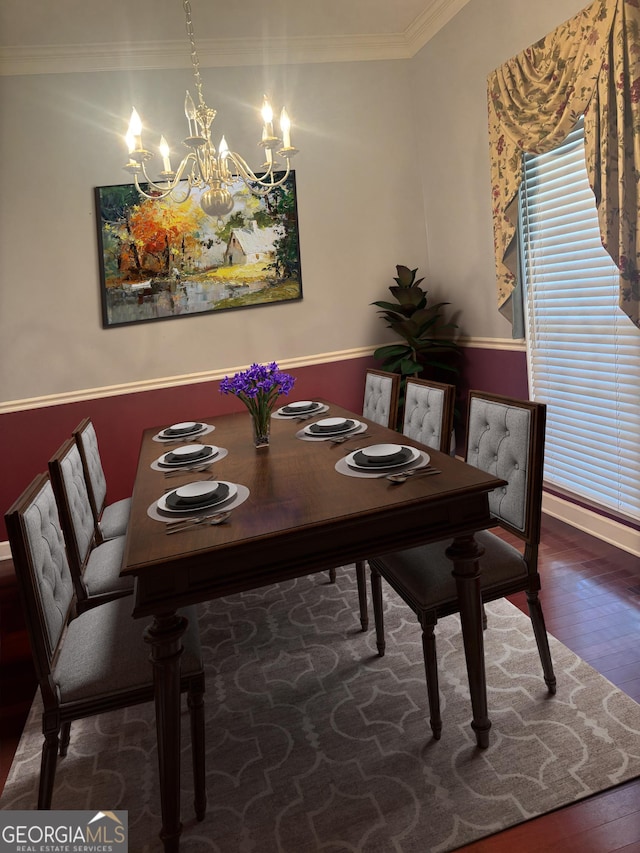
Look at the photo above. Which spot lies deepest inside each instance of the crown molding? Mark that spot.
(431, 21)
(218, 53)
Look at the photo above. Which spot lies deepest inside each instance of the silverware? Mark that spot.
(344, 438)
(403, 476)
(177, 471)
(301, 418)
(188, 523)
(175, 441)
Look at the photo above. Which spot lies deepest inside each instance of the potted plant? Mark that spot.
(423, 327)
(428, 346)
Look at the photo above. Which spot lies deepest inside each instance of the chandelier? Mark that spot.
(205, 167)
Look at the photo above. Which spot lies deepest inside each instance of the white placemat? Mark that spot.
(178, 439)
(306, 437)
(307, 415)
(342, 468)
(222, 452)
(239, 498)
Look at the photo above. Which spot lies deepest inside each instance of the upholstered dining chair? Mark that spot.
(97, 661)
(505, 437)
(428, 412)
(428, 417)
(381, 393)
(380, 404)
(110, 520)
(95, 568)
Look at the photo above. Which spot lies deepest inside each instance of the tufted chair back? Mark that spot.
(381, 392)
(505, 437)
(87, 441)
(42, 570)
(428, 413)
(70, 489)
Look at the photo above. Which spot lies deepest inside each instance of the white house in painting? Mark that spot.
(250, 245)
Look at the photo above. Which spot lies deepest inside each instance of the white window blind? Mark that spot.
(583, 351)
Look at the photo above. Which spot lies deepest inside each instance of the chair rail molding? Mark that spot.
(505, 344)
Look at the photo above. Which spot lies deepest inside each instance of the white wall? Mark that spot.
(381, 143)
(360, 213)
(449, 89)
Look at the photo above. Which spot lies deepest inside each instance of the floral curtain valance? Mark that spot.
(590, 65)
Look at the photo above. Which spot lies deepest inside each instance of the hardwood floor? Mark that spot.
(591, 597)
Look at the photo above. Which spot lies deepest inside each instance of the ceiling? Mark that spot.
(49, 36)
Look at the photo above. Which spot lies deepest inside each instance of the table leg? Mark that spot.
(165, 637)
(464, 551)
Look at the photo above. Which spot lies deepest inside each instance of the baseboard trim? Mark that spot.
(606, 529)
(583, 519)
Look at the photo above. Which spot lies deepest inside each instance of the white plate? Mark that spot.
(188, 429)
(335, 423)
(189, 450)
(196, 460)
(415, 454)
(233, 491)
(378, 451)
(197, 490)
(301, 404)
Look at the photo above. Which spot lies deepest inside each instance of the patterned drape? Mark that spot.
(590, 65)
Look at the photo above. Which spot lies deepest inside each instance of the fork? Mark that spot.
(188, 523)
(344, 438)
(178, 471)
(403, 476)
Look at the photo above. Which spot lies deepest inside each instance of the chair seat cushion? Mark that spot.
(102, 572)
(104, 653)
(115, 518)
(422, 575)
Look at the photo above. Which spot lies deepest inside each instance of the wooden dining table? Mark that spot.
(301, 516)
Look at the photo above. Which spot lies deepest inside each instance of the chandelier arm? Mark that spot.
(248, 175)
(162, 191)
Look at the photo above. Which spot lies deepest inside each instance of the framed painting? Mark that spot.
(161, 259)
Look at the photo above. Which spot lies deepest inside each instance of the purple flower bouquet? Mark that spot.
(259, 387)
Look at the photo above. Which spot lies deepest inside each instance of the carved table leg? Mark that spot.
(165, 637)
(464, 552)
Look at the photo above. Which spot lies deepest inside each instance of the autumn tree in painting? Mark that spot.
(280, 205)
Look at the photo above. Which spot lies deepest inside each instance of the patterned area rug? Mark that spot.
(314, 743)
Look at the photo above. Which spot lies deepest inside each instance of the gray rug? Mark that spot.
(314, 743)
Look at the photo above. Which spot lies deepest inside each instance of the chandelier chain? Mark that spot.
(195, 61)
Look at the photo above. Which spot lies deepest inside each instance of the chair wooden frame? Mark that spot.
(47, 638)
(429, 610)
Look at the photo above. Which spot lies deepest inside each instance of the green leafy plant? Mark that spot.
(427, 334)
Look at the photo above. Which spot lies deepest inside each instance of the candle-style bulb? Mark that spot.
(267, 112)
(164, 153)
(190, 112)
(134, 133)
(285, 127)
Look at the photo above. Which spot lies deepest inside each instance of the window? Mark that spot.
(583, 352)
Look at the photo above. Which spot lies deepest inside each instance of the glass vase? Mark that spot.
(261, 429)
